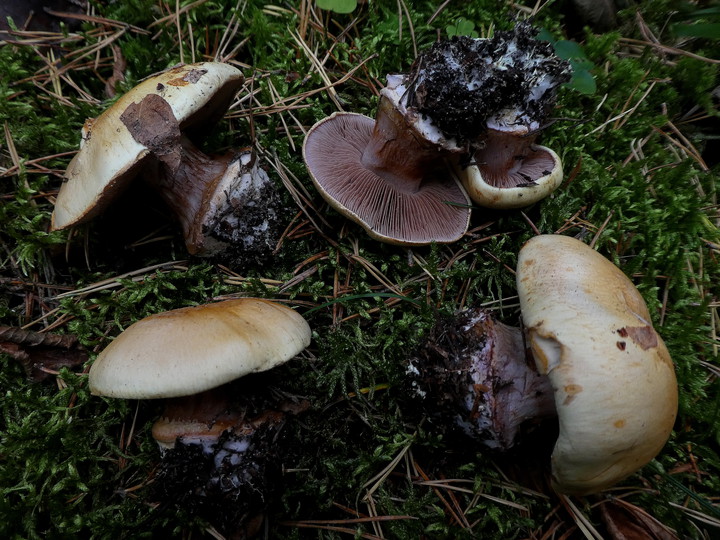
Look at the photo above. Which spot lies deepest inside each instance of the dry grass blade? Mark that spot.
(14, 156)
(452, 506)
(583, 523)
(667, 49)
(295, 101)
(352, 532)
(376, 273)
(174, 15)
(700, 516)
(136, 275)
(298, 192)
(368, 519)
(99, 20)
(626, 113)
(685, 145)
(376, 481)
(448, 484)
(320, 68)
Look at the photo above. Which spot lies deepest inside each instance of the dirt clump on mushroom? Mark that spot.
(470, 379)
(231, 481)
(462, 82)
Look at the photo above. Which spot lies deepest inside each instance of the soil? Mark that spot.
(459, 83)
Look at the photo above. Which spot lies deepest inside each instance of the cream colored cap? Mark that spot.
(614, 382)
(190, 350)
(110, 157)
(488, 195)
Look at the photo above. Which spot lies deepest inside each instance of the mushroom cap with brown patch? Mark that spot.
(190, 350)
(591, 333)
(438, 211)
(110, 157)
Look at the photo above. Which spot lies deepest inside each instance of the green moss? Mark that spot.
(68, 466)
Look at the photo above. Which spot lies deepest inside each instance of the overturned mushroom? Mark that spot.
(189, 356)
(496, 94)
(597, 363)
(226, 205)
(389, 175)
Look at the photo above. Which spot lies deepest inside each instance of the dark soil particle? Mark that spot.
(230, 489)
(439, 373)
(461, 82)
(250, 223)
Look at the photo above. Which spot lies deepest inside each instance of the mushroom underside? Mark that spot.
(524, 171)
(388, 208)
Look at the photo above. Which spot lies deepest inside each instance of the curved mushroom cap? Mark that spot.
(530, 180)
(614, 382)
(109, 155)
(190, 350)
(438, 211)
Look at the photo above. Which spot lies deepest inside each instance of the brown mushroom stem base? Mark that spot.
(477, 372)
(197, 418)
(184, 185)
(509, 159)
(221, 460)
(397, 153)
(225, 204)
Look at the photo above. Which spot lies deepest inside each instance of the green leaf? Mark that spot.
(700, 30)
(566, 49)
(582, 81)
(462, 27)
(338, 6)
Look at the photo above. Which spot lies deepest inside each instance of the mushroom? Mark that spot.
(389, 175)
(148, 131)
(496, 94)
(597, 363)
(190, 357)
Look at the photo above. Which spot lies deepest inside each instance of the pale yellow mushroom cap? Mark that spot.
(614, 382)
(190, 350)
(488, 195)
(110, 157)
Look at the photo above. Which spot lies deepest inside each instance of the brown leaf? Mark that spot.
(42, 355)
(625, 521)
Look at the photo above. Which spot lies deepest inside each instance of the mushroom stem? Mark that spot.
(479, 372)
(502, 156)
(510, 159)
(198, 418)
(396, 152)
(225, 204)
(222, 458)
(187, 186)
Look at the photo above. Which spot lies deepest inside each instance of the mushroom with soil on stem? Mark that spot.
(227, 206)
(189, 357)
(390, 174)
(496, 94)
(587, 354)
